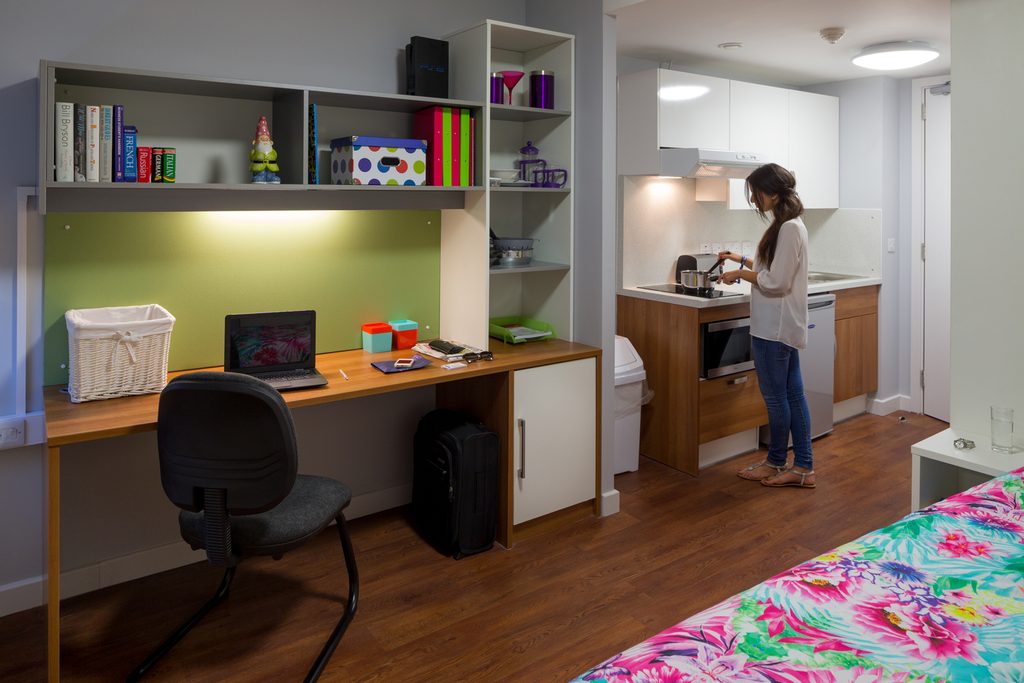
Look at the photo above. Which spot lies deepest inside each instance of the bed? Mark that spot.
(936, 596)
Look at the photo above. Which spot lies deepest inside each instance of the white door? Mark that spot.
(937, 252)
(554, 447)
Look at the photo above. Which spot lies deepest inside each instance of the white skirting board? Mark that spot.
(29, 593)
(609, 502)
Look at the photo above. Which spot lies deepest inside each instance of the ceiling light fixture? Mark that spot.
(730, 46)
(892, 56)
(678, 93)
(832, 34)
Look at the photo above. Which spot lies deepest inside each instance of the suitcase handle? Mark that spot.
(522, 447)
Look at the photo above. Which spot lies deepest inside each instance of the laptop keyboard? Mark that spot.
(284, 376)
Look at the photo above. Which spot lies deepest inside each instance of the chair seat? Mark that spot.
(305, 512)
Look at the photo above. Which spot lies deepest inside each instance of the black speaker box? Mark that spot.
(426, 67)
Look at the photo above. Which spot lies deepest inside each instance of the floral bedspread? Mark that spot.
(937, 596)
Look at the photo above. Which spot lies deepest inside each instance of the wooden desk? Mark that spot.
(483, 388)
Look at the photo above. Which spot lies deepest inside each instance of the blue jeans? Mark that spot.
(782, 386)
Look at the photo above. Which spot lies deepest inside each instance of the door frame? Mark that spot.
(918, 86)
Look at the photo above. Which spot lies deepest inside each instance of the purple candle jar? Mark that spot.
(542, 89)
(497, 88)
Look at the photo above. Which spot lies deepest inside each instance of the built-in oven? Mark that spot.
(725, 347)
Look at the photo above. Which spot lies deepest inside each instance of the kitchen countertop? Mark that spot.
(744, 289)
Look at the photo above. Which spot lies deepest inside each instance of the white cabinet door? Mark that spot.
(758, 122)
(814, 148)
(693, 111)
(554, 459)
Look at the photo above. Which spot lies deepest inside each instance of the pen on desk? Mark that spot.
(342, 372)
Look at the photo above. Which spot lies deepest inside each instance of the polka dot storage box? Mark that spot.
(364, 160)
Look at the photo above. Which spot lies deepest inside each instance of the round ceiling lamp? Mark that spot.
(904, 54)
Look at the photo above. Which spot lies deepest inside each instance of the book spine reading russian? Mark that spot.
(63, 142)
(118, 143)
(144, 157)
(106, 143)
(79, 143)
(92, 143)
(131, 170)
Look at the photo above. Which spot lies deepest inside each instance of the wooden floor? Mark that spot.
(553, 606)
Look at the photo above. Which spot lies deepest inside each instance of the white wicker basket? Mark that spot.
(117, 351)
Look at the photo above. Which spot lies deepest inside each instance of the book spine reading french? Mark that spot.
(63, 142)
(92, 143)
(106, 143)
(79, 143)
(131, 169)
(118, 144)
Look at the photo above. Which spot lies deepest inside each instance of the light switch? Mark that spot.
(891, 245)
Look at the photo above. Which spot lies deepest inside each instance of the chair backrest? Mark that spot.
(228, 431)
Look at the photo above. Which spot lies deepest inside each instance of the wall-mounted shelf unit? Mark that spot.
(210, 121)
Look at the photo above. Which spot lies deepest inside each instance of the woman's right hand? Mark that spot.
(731, 255)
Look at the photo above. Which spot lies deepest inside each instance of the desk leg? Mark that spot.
(53, 566)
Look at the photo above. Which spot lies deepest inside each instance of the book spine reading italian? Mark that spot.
(170, 164)
(131, 169)
(106, 143)
(79, 143)
(63, 142)
(92, 143)
(118, 143)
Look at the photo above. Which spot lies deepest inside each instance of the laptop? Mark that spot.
(278, 348)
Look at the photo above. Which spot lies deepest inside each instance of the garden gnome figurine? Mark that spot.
(263, 158)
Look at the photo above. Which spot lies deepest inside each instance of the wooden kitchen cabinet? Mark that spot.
(856, 366)
(554, 438)
(729, 405)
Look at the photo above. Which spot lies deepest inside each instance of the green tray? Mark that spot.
(498, 330)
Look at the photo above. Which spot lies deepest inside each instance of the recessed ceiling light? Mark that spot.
(730, 46)
(678, 93)
(892, 56)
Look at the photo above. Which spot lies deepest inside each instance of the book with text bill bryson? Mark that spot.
(63, 142)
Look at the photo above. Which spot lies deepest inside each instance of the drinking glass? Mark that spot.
(1002, 429)
(511, 78)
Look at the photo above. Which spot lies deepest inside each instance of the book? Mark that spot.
(79, 143)
(92, 143)
(427, 125)
(144, 158)
(427, 350)
(312, 158)
(118, 144)
(131, 168)
(465, 168)
(63, 142)
(456, 146)
(106, 143)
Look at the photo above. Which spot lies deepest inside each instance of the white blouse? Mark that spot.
(778, 301)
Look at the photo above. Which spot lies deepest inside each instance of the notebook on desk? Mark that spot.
(278, 348)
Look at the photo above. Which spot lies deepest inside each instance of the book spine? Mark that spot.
(144, 157)
(312, 160)
(131, 170)
(446, 145)
(79, 143)
(63, 142)
(106, 143)
(472, 150)
(456, 147)
(92, 143)
(465, 172)
(118, 144)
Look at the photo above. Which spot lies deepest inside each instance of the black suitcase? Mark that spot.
(455, 483)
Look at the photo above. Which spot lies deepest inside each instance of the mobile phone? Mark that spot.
(404, 362)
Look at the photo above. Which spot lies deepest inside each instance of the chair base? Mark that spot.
(222, 592)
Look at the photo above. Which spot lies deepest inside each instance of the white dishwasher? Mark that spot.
(817, 365)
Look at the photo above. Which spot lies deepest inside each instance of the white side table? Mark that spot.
(939, 469)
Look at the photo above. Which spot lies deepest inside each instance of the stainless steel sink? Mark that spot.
(818, 276)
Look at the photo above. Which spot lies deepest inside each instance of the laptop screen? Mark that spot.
(270, 342)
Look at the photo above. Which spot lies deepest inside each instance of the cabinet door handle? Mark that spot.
(522, 447)
(739, 380)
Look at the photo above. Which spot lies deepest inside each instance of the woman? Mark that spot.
(778, 324)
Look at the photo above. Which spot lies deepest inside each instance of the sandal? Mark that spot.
(790, 477)
(760, 471)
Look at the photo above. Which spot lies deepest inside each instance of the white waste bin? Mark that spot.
(629, 396)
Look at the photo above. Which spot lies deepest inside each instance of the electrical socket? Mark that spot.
(716, 247)
(705, 247)
(892, 245)
(12, 432)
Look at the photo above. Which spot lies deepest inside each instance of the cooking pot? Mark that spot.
(511, 251)
(697, 279)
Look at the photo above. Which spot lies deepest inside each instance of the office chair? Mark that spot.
(228, 460)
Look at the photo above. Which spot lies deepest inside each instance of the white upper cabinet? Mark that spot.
(758, 122)
(814, 148)
(661, 108)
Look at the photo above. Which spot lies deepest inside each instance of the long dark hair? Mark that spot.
(772, 179)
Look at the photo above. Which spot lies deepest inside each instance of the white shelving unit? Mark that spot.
(542, 289)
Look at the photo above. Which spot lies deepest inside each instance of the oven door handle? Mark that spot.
(727, 325)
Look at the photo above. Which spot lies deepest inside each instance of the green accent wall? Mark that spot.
(352, 267)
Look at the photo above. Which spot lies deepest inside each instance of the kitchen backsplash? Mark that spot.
(661, 219)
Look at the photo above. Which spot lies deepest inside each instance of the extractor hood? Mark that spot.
(707, 163)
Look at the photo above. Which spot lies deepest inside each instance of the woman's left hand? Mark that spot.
(730, 276)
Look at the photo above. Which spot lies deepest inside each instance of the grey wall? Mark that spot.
(349, 45)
